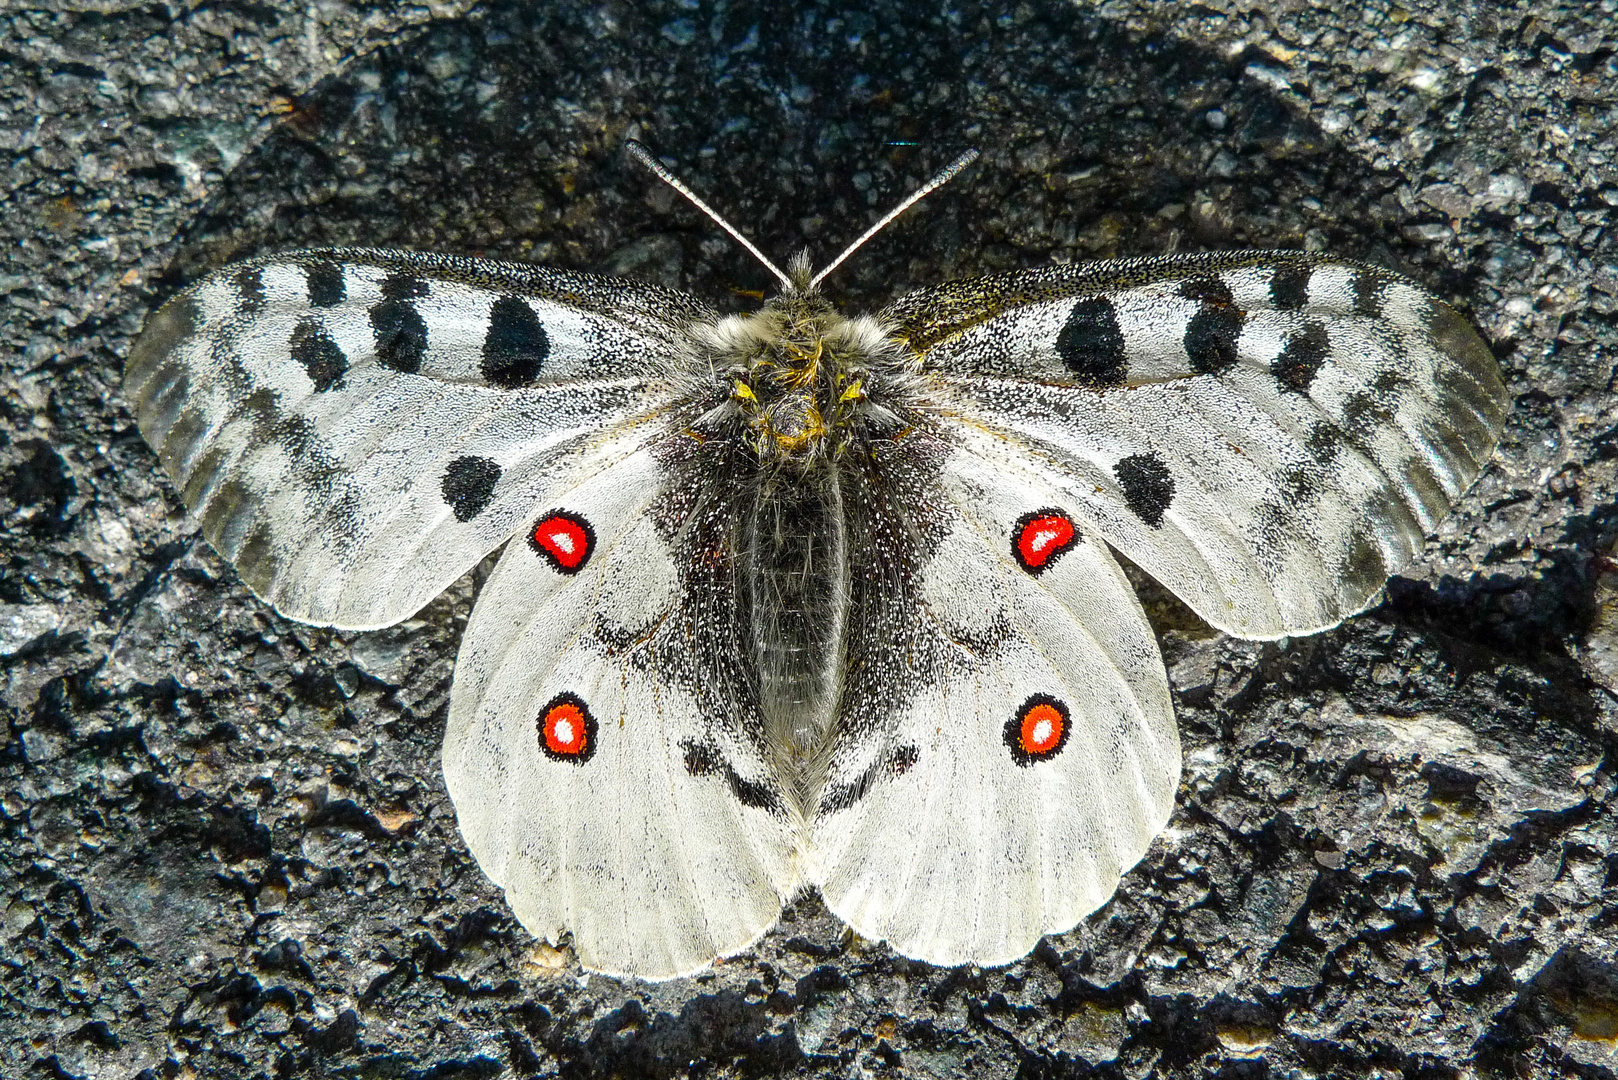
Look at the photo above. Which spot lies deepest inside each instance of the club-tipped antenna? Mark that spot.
(645, 157)
(943, 177)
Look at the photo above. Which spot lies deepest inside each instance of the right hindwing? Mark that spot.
(1005, 746)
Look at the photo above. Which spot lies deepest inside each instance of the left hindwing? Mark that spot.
(603, 748)
(1269, 434)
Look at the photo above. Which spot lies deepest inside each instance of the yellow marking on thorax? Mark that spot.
(798, 383)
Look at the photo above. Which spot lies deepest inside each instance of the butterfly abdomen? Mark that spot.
(801, 377)
(794, 573)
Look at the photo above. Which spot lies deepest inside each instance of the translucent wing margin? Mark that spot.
(356, 428)
(1268, 434)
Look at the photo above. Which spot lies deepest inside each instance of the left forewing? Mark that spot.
(354, 429)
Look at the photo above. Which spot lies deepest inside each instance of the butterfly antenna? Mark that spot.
(644, 156)
(945, 175)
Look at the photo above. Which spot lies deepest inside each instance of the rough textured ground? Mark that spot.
(225, 849)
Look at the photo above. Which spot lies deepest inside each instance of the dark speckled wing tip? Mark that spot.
(166, 328)
(1473, 381)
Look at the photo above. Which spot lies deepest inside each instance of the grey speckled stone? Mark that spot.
(225, 849)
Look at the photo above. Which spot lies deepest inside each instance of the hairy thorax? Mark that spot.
(801, 376)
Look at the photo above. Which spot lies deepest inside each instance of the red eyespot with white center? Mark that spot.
(567, 731)
(565, 539)
(1038, 730)
(1040, 538)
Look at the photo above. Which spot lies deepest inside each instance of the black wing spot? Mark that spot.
(1148, 486)
(1300, 483)
(1207, 290)
(1364, 561)
(1324, 442)
(1289, 287)
(262, 410)
(249, 285)
(1375, 406)
(325, 282)
(750, 794)
(1211, 336)
(402, 287)
(1302, 358)
(1367, 409)
(843, 796)
(1091, 345)
(840, 797)
(516, 345)
(320, 356)
(469, 485)
(1368, 289)
(400, 334)
(703, 759)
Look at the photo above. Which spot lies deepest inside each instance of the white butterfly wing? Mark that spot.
(599, 749)
(1007, 747)
(355, 429)
(1270, 434)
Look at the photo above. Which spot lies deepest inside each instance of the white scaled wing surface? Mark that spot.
(591, 750)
